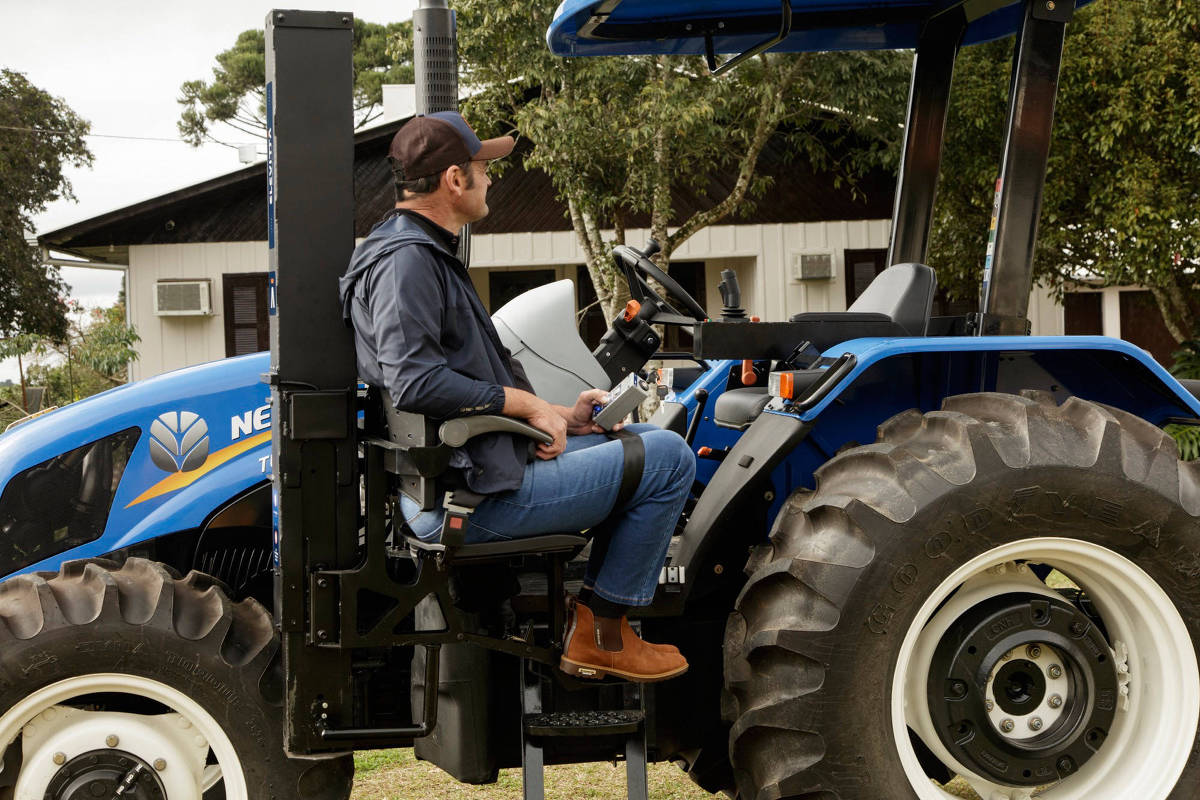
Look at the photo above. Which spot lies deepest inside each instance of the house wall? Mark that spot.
(172, 342)
(763, 256)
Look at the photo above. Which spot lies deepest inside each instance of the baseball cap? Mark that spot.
(430, 143)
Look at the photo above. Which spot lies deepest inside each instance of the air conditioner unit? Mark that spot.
(812, 266)
(182, 298)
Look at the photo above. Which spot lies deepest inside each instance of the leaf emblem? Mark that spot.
(178, 441)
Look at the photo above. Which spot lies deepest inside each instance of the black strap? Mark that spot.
(633, 451)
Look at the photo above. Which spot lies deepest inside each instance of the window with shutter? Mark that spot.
(247, 327)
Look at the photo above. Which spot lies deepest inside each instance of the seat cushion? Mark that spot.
(483, 551)
(737, 408)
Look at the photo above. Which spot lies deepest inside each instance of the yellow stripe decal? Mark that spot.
(178, 480)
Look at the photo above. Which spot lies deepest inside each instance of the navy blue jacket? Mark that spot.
(421, 332)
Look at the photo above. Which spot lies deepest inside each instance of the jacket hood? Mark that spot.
(386, 237)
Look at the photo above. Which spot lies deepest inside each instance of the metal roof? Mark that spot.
(679, 27)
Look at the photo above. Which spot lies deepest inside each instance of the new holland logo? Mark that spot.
(178, 441)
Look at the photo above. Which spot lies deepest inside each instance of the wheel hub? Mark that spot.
(1029, 692)
(1023, 688)
(72, 754)
(105, 774)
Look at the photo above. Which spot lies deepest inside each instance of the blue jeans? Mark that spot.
(576, 491)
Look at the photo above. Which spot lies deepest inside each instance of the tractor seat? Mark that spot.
(491, 551)
(737, 408)
(904, 293)
(897, 303)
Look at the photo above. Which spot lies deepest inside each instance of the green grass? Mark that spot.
(397, 775)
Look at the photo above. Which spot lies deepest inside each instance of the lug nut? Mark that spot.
(1035, 724)
(160, 764)
(1055, 701)
(1055, 671)
(1007, 726)
(1033, 651)
(990, 705)
(60, 758)
(111, 740)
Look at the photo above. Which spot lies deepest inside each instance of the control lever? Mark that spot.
(731, 296)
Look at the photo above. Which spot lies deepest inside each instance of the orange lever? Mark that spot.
(748, 376)
(631, 310)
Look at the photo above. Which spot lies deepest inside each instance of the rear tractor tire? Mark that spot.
(1004, 591)
(129, 681)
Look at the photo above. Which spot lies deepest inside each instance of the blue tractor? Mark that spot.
(922, 553)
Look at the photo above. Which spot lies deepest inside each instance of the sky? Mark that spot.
(119, 64)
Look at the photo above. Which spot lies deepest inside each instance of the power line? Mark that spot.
(114, 136)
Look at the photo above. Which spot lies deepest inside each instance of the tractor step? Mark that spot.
(585, 723)
(542, 727)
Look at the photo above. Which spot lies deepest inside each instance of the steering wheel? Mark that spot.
(638, 267)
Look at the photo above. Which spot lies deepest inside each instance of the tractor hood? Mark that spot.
(679, 27)
(200, 436)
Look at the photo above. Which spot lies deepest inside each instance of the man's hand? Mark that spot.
(540, 414)
(579, 416)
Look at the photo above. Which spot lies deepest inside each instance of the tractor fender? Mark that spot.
(1098, 368)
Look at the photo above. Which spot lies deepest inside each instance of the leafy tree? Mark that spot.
(236, 95)
(616, 135)
(92, 357)
(1124, 175)
(39, 136)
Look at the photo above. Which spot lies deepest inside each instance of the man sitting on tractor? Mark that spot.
(422, 333)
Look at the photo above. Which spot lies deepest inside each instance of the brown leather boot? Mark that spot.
(572, 600)
(598, 646)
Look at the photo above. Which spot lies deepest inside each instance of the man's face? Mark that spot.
(473, 202)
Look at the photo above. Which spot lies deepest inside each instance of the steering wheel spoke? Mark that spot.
(639, 269)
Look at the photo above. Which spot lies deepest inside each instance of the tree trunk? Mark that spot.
(1176, 311)
(606, 280)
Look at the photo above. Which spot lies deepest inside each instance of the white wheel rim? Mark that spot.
(1149, 744)
(197, 718)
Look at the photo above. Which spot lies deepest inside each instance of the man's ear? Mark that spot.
(455, 180)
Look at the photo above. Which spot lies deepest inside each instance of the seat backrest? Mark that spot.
(538, 327)
(904, 292)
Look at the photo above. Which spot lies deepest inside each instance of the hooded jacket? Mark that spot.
(422, 333)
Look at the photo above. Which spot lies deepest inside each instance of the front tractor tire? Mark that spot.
(1004, 591)
(130, 681)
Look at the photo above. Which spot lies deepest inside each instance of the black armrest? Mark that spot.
(455, 432)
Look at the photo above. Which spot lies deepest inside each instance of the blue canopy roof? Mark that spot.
(632, 27)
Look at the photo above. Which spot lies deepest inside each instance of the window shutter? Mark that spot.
(247, 327)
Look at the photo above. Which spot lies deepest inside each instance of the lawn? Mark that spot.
(396, 775)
